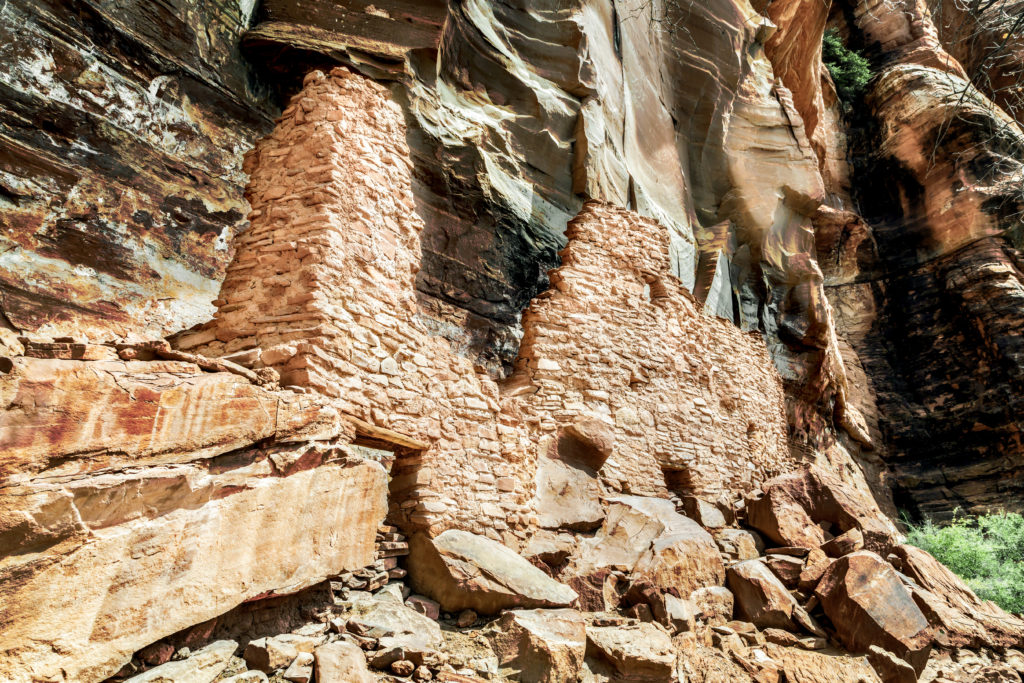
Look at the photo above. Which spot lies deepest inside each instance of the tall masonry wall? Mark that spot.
(616, 353)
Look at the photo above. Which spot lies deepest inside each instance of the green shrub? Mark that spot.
(850, 71)
(987, 552)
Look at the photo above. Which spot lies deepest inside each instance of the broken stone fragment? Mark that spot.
(704, 513)
(815, 565)
(786, 567)
(792, 508)
(203, 666)
(341, 662)
(869, 605)
(739, 544)
(844, 544)
(301, 668)
(889, 667)
(762, 599)
(545, 646)
(248, 677)
(715, 604)
(461, 571)
(424, 605)
(646, 538)
(270, 654)
(638, 652)
(394, 625)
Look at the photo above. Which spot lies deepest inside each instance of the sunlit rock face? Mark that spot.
(523, 110)
(122, 127)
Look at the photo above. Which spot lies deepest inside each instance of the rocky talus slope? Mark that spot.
(591, 341)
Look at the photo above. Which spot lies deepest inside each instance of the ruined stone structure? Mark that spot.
(322, 291)
(601, 333)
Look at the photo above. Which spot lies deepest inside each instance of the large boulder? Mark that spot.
(963, 619)
(202, 539)
(762, 599)
(202, 667)
(803, 666)
(568, 494)
(545, 646)
(869, 605)
(462, 571)
(795, 509)
(656, 545)
(638, 653)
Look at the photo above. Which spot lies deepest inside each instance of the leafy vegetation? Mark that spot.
(986, 551)
(850, 71)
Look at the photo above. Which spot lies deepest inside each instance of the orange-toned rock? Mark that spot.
(961, 618)
(763, 600)
(794, 508)
(67, 417)
(464, 571)
(545, 646)
(647, 539)
(869, 605)
(142, 554)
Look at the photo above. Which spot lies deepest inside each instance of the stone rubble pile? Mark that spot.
(727, 607)
(390, 545)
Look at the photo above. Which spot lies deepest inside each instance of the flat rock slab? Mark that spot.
(463, 571)
(204, 666)
(153, 551)
(395, 625)
(342, 662)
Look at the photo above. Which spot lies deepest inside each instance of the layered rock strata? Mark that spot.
(160, 496)
(121, 132)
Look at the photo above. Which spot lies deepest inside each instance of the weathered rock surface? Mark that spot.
(635, 652)
(795, 509)
(341, 662)
(868, 604)
(121, 179)
(203, 666)
(174, 531)
(465, 571)
(960, 618)
(395, 626)
(402, 231)
(657, 546)
(70, 417)
(545, 646)
(763, 600)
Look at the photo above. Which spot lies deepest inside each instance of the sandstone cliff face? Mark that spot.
(585, 300)
(121, 132)
(937, 177)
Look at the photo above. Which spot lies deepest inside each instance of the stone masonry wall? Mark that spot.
(620, 338)
(322, 289)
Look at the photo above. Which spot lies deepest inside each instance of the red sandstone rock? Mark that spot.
(545, 646)
(868, 605)
(950, 606)
(762, 599)
(794, 505)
